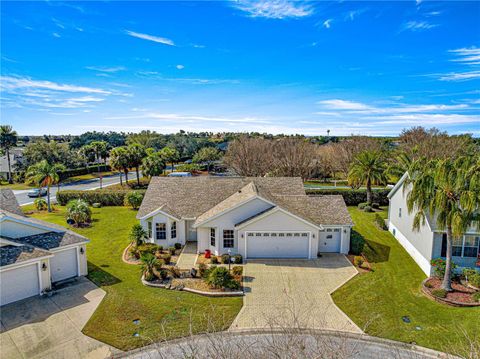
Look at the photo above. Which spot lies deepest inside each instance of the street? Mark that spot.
(86, 185)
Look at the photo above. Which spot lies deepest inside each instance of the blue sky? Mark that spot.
(270, 66)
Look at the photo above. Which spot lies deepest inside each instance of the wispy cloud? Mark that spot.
(418, 26)
(275, 9)
(180, 67)
(158, 39)
(11, 83)
(56, 34)
(460, 76)
(107, 69)
(188, 118)
(469, 60)
(327, 23)
(337, 104)
(467, 56)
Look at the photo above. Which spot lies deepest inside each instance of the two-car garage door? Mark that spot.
(278, 244)
(19, 283)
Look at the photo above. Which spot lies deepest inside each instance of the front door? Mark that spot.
(191, 232)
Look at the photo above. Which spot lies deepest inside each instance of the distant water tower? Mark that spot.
(328, 132)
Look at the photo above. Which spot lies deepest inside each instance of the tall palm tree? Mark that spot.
(44, 174)
(401, 163)
(120, 160)
(368, 168)
(136, 154)
(449, 191)
(153, 165)
(8, 139)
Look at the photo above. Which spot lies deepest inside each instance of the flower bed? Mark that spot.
(130, 258)
(461, 296)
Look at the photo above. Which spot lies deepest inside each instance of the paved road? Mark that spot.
(23, 198)
(267, 344)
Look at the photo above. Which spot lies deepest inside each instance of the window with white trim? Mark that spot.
(457, 244)
(464, 246)
(173, 230)
(228, 238)
(212, 237)
(160, 231)
(470, 246)
(149, 229)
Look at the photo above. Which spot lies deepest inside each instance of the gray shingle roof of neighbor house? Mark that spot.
(51, 240)
(204, 197)
(10, 254)
(9, 203)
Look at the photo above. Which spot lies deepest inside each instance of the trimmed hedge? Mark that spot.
(355, 196)
(83, 171)
(104, 197)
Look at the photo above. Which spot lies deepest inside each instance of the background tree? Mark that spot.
(100, 148)
(207, 155)
(153, 165)
(293, 157)
(136, 153)
(449, 190)
(44, 174)
(170, 154)
(8, 139)
(249, 156)
(368, 168)
(120, 161)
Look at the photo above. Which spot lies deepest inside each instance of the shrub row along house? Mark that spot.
(261, 217)
(35, 254)
(428, 242)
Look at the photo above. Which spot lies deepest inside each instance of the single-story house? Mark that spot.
(35, 254)
(429, 242)
(257, 217)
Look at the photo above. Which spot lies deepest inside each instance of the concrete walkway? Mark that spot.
(52, 327)
(294, 294)
(188, 257)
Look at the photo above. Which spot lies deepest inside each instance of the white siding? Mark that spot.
(161, 218)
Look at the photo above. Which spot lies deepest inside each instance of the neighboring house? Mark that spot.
(261, 217)
(34, 254)
(429, 242)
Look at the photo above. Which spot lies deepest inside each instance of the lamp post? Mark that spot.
(229, 259)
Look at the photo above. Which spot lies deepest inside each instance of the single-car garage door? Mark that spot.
(64, 265)
(278, 244)
(330, 240)
(19, 283)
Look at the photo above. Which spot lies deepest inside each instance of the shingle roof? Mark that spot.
(51, 240)
(190, 197)
(11, 254)
(9, 203)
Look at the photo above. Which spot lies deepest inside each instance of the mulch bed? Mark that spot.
(365, 268)
(460, 294)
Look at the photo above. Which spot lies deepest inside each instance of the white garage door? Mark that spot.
(277, 245)
(16, 284)
(64, 265)
(330, 240)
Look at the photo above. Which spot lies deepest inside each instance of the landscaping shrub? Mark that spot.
(175, 272)
(167, 258)
(171, 250)
(149, 264)
(104, 197)
(79, 212)
(358, 261)
(137, 234)
(219, 277)
(40, 204)
(376, 205)
(178, 245)
(429, 285)
(163, 273)
(362, 205)
(356, 243)
(202, 269)
(438, 265)
(439, 293)
(354, 197)
(83, 171)
(133, 199)
(160, 248)
(380, 222)
(474, 279)
(367, 209)
(225, 258)
(237, 270)
(145, 248)
(237, 259)
(214, 260)
(96, 205)
(476, 297)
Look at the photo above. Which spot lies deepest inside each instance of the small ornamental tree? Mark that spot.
(138, 234)
(133, 199)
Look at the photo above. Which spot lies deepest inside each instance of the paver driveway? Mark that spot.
(51, 327)
(294, 293)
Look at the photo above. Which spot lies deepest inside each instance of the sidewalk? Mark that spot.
(188, 257)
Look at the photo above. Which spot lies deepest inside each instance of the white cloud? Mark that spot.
(180, 67)
(275, 9)
(11, 83)
(188, 118)
(56, 34)
(327, 23)
(106, 69)
(418, 26)
(460, 76)
(337, 104)
(161, 40)
(468, 56)
(427, 119)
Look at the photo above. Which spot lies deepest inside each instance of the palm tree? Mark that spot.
(207, 155)
(8, 139)
(149, 264)
(79, 211)
(136, 154)
(153, 165)
(449, 191)
(170, 154)
(400, 164)
(44, 174)
(120, 160)
(368, 168)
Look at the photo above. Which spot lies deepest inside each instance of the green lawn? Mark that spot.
(163, 314)
(378, 300)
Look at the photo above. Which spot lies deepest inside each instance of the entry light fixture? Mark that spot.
(81, 250)
(44, 267)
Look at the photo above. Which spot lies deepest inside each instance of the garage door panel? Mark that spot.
(277, 245)
(19, 283)
(64, 265)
